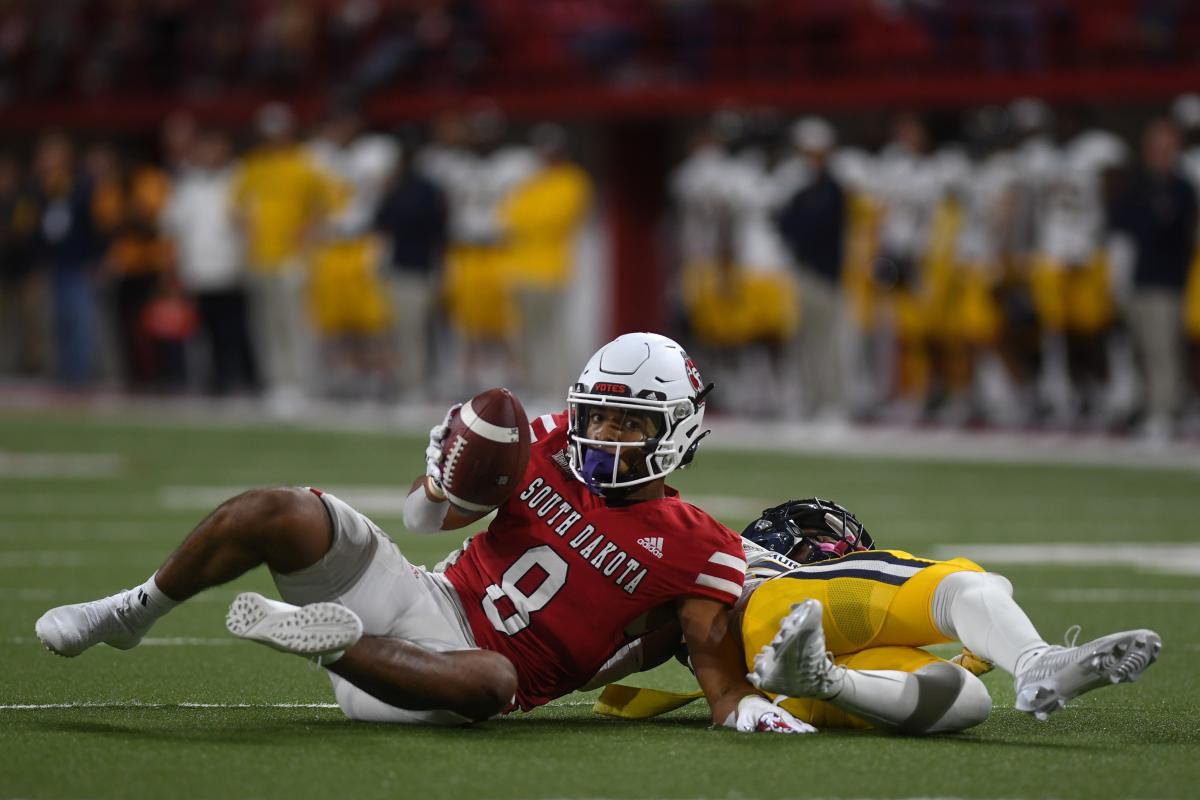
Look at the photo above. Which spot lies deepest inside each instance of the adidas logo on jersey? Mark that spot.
(654, 544)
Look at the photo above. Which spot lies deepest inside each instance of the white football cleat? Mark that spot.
(1061, 674)
(69, 630)
(317, 629)
(796, 663)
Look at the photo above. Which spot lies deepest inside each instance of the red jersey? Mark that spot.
(560, 580)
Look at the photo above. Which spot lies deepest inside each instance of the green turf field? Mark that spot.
(194, 714)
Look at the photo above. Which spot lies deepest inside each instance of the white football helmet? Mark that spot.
(644, 372)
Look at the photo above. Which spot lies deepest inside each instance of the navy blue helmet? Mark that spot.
(809, 530)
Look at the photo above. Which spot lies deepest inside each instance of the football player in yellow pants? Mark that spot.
(834, 629)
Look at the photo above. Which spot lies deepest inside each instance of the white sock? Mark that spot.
(977, 609)
(936, 698)
(147, 603)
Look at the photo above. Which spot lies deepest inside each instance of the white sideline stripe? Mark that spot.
(167, 641)
(1171, 596)
(61, 465)
(137, 704)
(487, 430)
(42, 594)
(1174, 558)
(47, 558)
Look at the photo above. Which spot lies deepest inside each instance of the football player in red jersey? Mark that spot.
(591, 551)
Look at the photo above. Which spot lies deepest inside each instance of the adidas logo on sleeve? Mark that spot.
(654, 544)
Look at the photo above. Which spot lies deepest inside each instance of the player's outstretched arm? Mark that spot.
(719, 667)
(426, 509)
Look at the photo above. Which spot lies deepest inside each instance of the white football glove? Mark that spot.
(756, 713)
(433, 453)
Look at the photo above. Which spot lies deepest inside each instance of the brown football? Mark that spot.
(485, 451)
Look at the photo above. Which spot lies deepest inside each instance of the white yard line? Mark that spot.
(164, 641)
(61, 465)
(1168, 596)
(138, 704)
(1173, 558)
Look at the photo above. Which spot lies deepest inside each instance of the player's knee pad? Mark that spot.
(949, 699)
(970, 588)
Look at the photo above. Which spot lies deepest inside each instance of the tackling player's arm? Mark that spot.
(716, 657)
(717, 661)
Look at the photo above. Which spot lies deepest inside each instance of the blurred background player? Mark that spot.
(541, 217)
(23, 317)
(475, 168)
(71, 243)
(412, 219)
(210, 260)
(811, 221)
(1070, 275)
(1186, 112)
(1159, 210)
(909, 193)
(738, 292)
(350, 305)
(279, 199)
(1012, 240)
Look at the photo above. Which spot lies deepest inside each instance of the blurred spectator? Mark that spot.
(444, 40)
(1012, 34)
(1186, 113)
(349, 301)
(280, 197)
(1069, 276)
(412, 218)
(984, 382)
(469, 161)
(910, 195)
(129, 203)
(178, 140)
(1159, 210)
(690, 31)
(284, 41)
(22, 284)
(541, 219)
(812, 223)
(168, 322)
(210, 261)
(73, 247)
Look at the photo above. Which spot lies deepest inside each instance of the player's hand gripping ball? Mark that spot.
(482, 452)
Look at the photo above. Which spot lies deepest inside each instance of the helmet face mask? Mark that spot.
(644, 373)
(809, 530)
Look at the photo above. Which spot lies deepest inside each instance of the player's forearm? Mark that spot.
(424, 510)
(716, 656)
